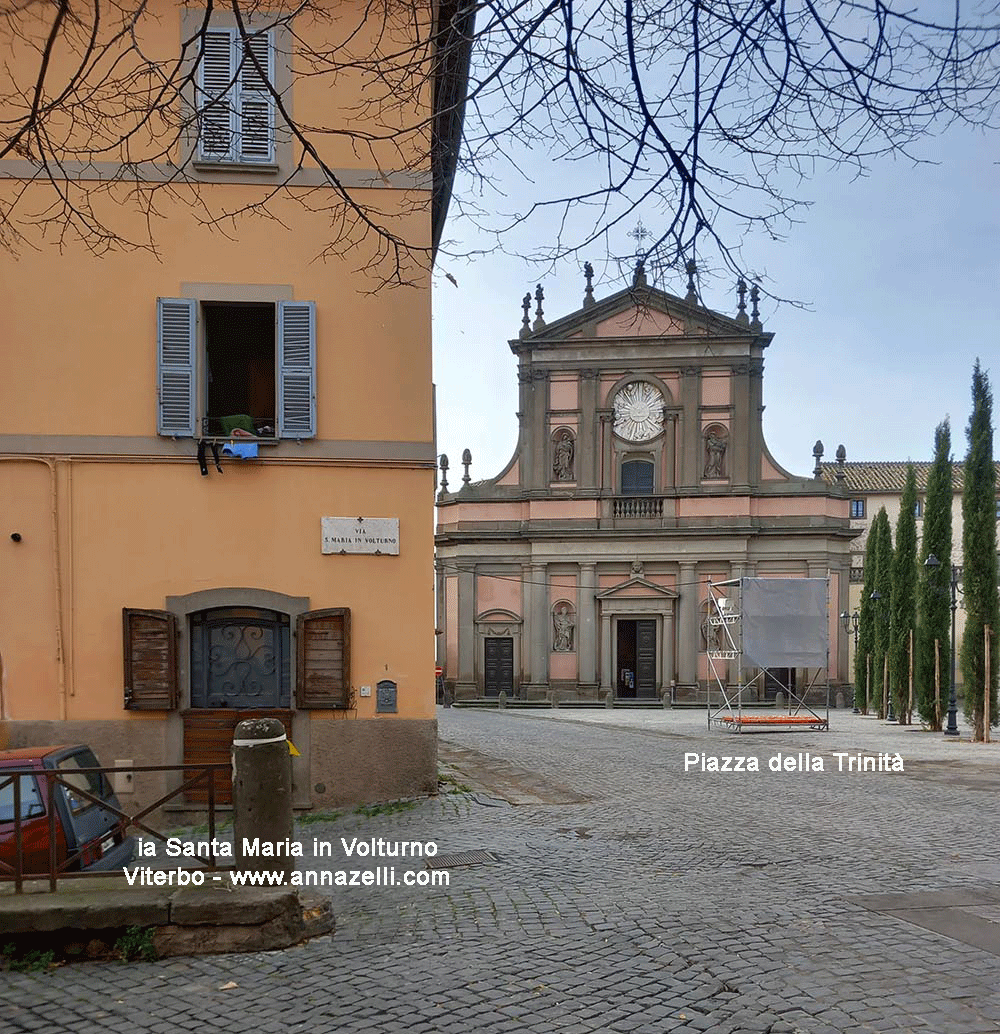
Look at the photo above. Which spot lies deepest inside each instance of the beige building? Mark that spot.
(871, 485)
(217, 462)
(640, 475)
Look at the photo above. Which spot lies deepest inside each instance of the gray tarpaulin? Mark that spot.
(785, 622)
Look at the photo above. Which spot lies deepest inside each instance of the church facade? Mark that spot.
(581, 571)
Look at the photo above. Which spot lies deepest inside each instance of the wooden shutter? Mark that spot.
(150, 659)
(256, 119)
(175, 366)
(323, 644)
(296, 369)
(216, 97)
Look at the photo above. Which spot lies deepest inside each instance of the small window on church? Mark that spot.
(637, 477)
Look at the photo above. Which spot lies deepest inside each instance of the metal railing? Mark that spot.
(194, 775)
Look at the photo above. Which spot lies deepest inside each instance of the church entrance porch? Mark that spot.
(635, 659)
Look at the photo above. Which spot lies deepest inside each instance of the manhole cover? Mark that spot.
(458, 858)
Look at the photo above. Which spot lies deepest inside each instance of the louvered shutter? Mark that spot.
(175, 366)
(256, 122)
(150, 638)
(323, 652)
(637, 477)
(296, 369)
(216, 100)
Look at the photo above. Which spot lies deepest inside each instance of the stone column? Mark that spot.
(667, 648)
(607, 678)
(262, 793)
(466, 686)
(537, 633)
(688, 635)
(586, 627)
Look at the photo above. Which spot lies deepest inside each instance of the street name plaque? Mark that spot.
(365, 535)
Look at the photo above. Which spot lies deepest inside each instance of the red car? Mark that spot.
(81, 824)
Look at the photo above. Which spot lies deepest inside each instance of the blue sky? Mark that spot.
(899, 271)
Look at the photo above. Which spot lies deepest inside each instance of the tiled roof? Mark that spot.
(888, 476)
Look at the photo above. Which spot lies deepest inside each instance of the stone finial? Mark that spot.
(466, 462)
(525, 322)
(639, 277)
(444, 472)
(818, 455)
(539, 323)
(841, 460)
(741, 314)
(588, 294)
(692, 291)
(755, 323)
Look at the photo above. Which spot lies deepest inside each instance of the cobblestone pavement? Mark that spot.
(626, 894)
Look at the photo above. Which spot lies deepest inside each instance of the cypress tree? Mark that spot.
(979, 555)
(866, 625)
(882, 606)
(935, 584)
(903, 616)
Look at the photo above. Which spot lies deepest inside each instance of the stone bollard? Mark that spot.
(262, 797)
(779, 700)
(840, 701)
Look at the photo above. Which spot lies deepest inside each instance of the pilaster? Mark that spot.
(691, 465)
(688, 637)
(587, 625)
(466, 685)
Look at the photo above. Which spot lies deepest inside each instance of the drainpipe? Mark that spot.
(56, 576)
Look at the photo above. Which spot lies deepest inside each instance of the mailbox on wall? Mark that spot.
(385, 697)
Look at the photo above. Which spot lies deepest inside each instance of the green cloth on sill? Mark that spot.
(241, 422)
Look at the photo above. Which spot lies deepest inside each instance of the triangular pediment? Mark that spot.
(637, 588)
(639, 313)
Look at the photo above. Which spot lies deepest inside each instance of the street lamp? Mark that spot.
(855, 624)
(845, 620)
(933, 563)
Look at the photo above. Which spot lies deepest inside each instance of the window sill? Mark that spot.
(266, 168)
(227, 439)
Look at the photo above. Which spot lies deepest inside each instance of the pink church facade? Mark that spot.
(580, 571)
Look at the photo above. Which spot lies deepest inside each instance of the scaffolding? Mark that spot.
(776, 623)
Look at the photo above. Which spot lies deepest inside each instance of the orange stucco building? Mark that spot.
(189, 437)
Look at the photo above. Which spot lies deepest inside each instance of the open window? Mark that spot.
(239, 369)
(236, 368)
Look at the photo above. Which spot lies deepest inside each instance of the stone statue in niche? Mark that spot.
(562, 457)
(715, 453)
(564, 624)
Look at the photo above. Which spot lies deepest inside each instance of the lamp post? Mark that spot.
(856, 624)
(845, 620)
(933, 563)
